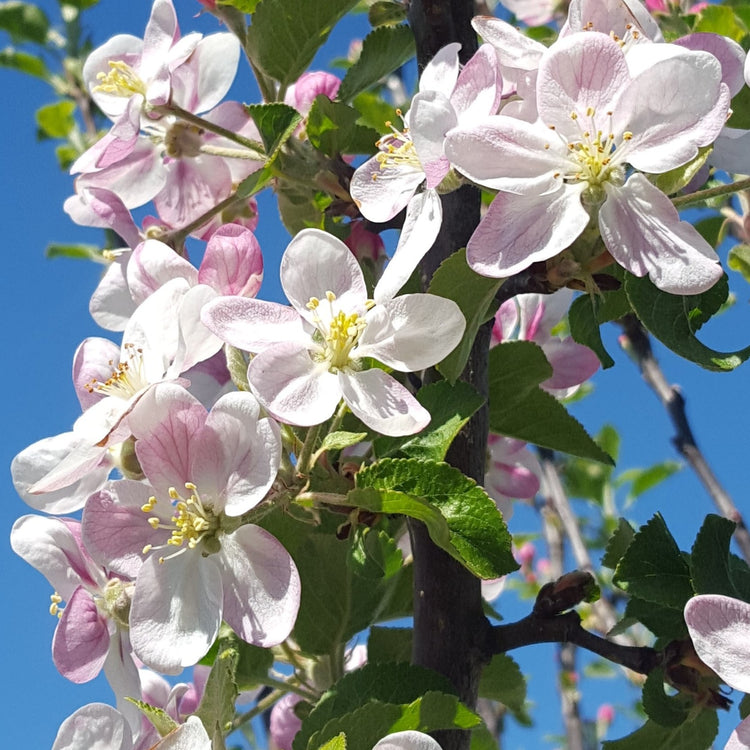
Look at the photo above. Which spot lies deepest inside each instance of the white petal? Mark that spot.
(408, 740)
(441, 72)
(96, 726)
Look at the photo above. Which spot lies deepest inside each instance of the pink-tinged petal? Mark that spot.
(424, 216)
(111, 304)
(80, 468)
(197, 342)
(519, 230)
(504, 153)
(122, 675)
(176, 610)
(261, 586)
(315, 263)
(191, 188)
(164, 423)
(412, 332)
(53, 547)
(233, 262)
(674, 107)
(719, 627)
(408, 740)
(284, 723)
(740, 737)
(539, 313)
(135, 180)
(191, 735)
(115, 528)
(203, 81)
(729, 53)
(441, 73)
(581, 72)
(99, 207)
(506, 322)
(431, 116)
(301, 94)
(572, 364)
(122, 47)
(643, 232)
(252, 325)
(160, 34)
(292, 387)
(732, 151)
(618, 17)
(382, 403)
(96, 726)
(81, 639)
(383, 190)
(514, 49)
(94, 361)
(479, 87)
(153, 264)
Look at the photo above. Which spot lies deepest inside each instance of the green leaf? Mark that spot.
(285, 34)
(389, 683)
(695, 734)
(159, 718)
(23, 62)
(336, 441)
(386, 13)
(253, 665)
(663, 622)
(744, 707)
(666, 710)
(618, 544)
(383, 50)
(56, 120)
(673, 181)
(503, 681)
(336, 743)
(244, 6)
(739, 572)
(276, 122)
(478, 536)
(653, 567)
(375, 555)
(586, 315)
(24, 22)
(332, 128)
(709, 558)
(450, 406)
(389, 644)
(374, 111)
(674, 320)
(78, 252)
(720, 20)
(739, 260)
(520, 409)
(216, 709)
(642, 480)
(473, 294)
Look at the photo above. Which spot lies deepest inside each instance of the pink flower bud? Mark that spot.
(525, 554)
(365, 244)
(605, 714)
(302, 94)
(284, 723)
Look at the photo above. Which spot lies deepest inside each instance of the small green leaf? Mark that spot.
(663, 622)
(336, 743)
(386, 13)
(674, 320)
(665, 710)
(23, 62)
(618, 544)
(744, 707)
(78, 252)
(473, 294)
(375, 555)
(642, 480)
(216, 709)
(478, 536)
(720, 20)
(389, 644)
(244, 6)
(276, 122)
(383, 50)
(673, 181)
(586, 315)
(450, 407)
(332, 128)
(336, 441)
(253, 665)
(697, 733)
(739, 572)
(56, 120)
(503, 681)
(161, 720)
(285, 34)
(24, 22)
(653, 567)
(709, 558)
(520, 409)
(739, 260)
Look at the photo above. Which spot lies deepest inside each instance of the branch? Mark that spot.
(566, 628)
(638, 346)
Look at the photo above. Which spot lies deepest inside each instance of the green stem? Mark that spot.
(288, 687)
(304, 462)
(259, 708)
(714, 192)
(335, 424)
(177, 236)
(232, 153)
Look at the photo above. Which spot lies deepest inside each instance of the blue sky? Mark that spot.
(45, 303)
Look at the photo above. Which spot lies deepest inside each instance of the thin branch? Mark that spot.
(638, 345)
(566, 628)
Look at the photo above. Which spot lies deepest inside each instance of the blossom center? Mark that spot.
(339, 336)
(183, 139)
(193, 521)
(397, 150)
(114, 601)
(127, 378)
(121, 80)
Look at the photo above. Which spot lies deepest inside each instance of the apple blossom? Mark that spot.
(408, 740)
(309, 356)
(570, 167)
(205, 469)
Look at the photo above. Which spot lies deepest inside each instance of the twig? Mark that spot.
(638, 346)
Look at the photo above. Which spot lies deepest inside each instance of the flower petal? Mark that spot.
(233, 262)
(96, 726)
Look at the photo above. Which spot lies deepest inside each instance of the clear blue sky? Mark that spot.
(46, 308)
